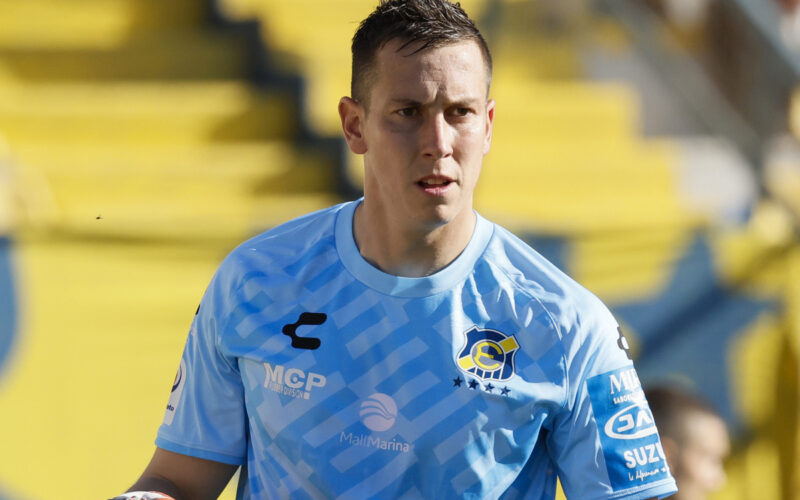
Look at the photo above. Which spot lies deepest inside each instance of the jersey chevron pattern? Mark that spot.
(327, 378)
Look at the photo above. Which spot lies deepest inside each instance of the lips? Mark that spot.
(434, 181)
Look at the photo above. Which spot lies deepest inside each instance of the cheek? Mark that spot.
(472, 138)
(702, 469)
(469, 150)
(713, 472)
(391, 142)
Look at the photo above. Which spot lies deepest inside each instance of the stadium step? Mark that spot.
(532, 109)
(167, 55)
(136, 116)
(43, 24)
(157, 112)
(176, 191)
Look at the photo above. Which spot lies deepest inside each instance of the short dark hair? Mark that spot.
(671, 407)
(429, 23)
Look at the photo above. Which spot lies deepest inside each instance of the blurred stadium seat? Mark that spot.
(155, 156)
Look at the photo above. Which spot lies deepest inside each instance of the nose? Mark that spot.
(437, 138)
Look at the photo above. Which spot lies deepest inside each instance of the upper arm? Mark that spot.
(604, 441)
(193, 478)
(206, 415)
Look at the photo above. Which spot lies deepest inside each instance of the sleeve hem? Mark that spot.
(661, 489)
(199, 453)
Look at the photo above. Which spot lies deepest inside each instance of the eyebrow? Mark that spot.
(407, 101)
(404, 101)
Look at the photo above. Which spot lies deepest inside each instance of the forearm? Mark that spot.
(153, 483)
(184, 477)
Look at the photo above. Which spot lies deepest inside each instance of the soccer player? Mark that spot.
(695, 440)
(401, 345)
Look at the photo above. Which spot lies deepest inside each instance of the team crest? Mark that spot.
(488, 354)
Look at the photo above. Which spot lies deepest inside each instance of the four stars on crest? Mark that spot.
(473, 385)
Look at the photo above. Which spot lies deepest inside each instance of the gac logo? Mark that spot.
(632, 422)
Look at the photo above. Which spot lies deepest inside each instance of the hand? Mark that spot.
(143, 495)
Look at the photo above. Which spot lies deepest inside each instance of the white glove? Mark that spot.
(143, 495)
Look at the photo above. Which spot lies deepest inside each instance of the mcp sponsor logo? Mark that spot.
(292, 382)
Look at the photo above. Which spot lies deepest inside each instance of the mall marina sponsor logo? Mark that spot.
(292, 382)
(375, 442)
(378, 413)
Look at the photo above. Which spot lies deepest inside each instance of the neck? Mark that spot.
(410, 251)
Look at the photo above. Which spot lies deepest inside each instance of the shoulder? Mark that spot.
(566, 301)
(281, 246)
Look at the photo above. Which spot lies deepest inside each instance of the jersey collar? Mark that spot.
(444, 279)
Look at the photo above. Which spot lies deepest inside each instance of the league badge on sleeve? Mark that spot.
(175, 395)
(632, 449)
(488, 354)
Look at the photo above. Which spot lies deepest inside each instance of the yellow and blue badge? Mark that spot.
(488, 354)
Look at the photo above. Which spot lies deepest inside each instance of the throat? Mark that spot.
(410, 253)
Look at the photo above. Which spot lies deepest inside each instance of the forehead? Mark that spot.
(455, 68)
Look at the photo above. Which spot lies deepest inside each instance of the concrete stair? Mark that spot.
(128, 109)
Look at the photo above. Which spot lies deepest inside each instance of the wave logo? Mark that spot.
(378, 412)
(632, 422)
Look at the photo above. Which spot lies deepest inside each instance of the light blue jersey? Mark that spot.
(327, 378)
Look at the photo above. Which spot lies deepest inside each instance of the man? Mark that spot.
(402, 346)
(695, 440)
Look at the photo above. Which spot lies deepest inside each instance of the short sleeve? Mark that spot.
(205, 415)
(604, 441)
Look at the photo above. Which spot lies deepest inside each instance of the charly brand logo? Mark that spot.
(175, 395)
(306, 318)
(488, 354)
(378, 413)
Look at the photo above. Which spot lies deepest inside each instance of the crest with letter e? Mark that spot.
(488, 354)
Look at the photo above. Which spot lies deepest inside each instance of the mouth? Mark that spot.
(435, 184)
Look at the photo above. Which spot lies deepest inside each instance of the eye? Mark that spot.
(462, 111)
(407, 112)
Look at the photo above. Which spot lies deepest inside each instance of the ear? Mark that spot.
(487, 142)
(352, 116)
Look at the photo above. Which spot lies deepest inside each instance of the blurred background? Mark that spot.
(647, 147)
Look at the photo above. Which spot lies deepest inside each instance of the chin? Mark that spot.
(441, 215)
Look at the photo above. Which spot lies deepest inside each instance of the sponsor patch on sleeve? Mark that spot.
(175, 395)
(628, 434)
